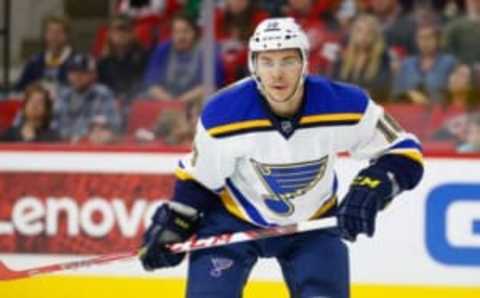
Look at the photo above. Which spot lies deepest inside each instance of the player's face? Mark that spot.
(279, 72)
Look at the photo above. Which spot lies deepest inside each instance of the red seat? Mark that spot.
(435, 146)
(8, 109)
(233, 61)
(413, 118)
(99, 41)
(144, 113)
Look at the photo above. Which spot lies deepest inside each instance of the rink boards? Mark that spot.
(427, 243)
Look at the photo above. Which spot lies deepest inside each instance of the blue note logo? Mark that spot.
(453, 224)
(285, 182)
(219, 265)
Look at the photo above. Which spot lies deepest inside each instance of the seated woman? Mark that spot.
(35, 120)
(365, 61)
(449, 119)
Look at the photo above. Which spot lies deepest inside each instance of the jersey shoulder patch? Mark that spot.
(234, 110)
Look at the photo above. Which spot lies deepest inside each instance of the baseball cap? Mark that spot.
(81, 62)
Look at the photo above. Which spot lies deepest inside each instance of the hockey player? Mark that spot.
(264, 155)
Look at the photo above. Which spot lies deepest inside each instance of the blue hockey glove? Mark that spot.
(369, 193)
(172, 222)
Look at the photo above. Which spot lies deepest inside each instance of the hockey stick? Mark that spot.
(187, 246)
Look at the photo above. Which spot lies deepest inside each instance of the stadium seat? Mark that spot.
(99, 41)
(439, 146)
(144, 113)
(413, 118)
(442, 114)
(8, 110)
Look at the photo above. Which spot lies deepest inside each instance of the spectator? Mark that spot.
(398, 25)
(152, 18)
(307, 11)
(177, 127)
(35, 119)
(48, 66)
(319, 21)
(449, 121)
(83, 100)
(365, 61)
(173, 128)
(472, 136)
(422, 78)
(100, 131)
(238, 20)
(175, 67)
(234, 25)
(462, 36)
(398, 29)
(123, 64)
(462, 92)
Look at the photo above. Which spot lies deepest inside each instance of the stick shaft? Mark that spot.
(231, 238)
(187, 246)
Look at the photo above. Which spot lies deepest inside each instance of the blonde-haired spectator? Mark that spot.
(365, 60)
(49, 66)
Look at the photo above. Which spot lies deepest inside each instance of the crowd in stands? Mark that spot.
(142, 81)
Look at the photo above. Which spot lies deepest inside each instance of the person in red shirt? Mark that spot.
(234, 24)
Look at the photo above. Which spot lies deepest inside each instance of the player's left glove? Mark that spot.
(369, 193)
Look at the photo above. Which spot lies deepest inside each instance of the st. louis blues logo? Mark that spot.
(285, 182)
(220, 265)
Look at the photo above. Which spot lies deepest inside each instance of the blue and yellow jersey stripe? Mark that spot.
(327, 206)
(244, 209)
(181, 173)
(330, 119)
(240, 127)
(408, 148)
(241, 108)
(249, 126)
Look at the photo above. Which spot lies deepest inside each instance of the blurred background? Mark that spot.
(98, 98)
(138, 72)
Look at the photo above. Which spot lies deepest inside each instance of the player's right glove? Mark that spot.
(370, 192)
(172, 222)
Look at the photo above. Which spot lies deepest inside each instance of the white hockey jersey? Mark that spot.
(271, 171)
